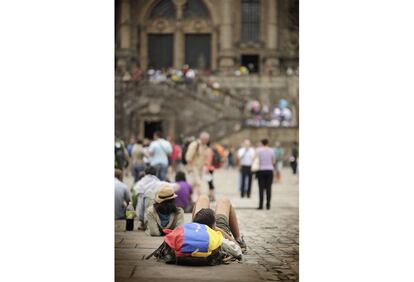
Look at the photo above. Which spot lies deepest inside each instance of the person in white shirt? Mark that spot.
(146, 189)
(246, 155)
(159, 150)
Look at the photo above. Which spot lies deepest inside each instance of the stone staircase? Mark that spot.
(201, 105)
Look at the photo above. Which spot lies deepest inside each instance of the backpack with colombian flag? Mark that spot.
(191, 244)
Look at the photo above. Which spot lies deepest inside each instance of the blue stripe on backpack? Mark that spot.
(196, 238)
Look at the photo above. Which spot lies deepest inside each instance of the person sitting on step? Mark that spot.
(163, 213)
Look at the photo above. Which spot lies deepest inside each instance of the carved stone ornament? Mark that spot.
(160, 25)
(179, 2)
(154, 108)
(198, 25)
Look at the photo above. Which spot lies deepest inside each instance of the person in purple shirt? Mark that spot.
(265, 173)
(184, 192)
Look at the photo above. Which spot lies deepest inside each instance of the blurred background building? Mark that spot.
(226, 66)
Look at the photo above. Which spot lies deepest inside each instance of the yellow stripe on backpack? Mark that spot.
(215, 241)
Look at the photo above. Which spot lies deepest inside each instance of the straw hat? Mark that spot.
(165, 193)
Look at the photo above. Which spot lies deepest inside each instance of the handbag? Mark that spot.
(255, 164)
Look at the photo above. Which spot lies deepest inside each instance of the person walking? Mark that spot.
(175, 157)
(209, 170)
(196, 156)
(294, 157)
(159, 150)
(265, 173)
(137, 159)
(121, 155)
(245, 156)
(279, 154)
(230, 157)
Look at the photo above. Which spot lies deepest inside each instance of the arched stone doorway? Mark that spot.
(177, 24)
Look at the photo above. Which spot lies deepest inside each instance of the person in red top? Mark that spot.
(175, 157)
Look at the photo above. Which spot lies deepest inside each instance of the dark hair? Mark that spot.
(205, 216)
(118, 174)
(139, 141)
(265, 141)
(150, 170)
(166, 207)
(180, 176)
(158, 133)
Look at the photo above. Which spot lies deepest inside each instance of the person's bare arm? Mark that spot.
(225, 235)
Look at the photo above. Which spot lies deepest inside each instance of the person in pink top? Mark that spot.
(265, 173)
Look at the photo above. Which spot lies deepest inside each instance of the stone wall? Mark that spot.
(284, 135)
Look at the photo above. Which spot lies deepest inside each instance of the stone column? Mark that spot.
(141, 128)
(226, 35)
(144, 48)
(178, 47)
(134, 31)
(179, 35)
(171, 127)
(272, 62)
(125, 29)
(123, 53)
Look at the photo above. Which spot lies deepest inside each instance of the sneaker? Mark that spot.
(242, 244)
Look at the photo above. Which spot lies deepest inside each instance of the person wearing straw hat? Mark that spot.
(163, 213)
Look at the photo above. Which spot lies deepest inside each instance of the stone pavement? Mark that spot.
(272, 238)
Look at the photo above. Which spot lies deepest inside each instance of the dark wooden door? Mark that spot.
(160, 51)
(198, 51)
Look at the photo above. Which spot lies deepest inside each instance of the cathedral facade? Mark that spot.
(219, 38)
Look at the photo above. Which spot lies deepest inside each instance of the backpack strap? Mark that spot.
(196, 150)
(157, 252)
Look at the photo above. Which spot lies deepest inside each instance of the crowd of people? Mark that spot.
(269, 115)
(168, 180)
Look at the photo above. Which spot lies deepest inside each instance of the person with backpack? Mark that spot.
(223, 219)
(163, 213)
(121, 155)
(209, 170)
(208, 240)
(159, 150)
(214, 160)
(196, 156)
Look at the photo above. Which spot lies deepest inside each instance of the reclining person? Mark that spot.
(163, 213)
(223, 219)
